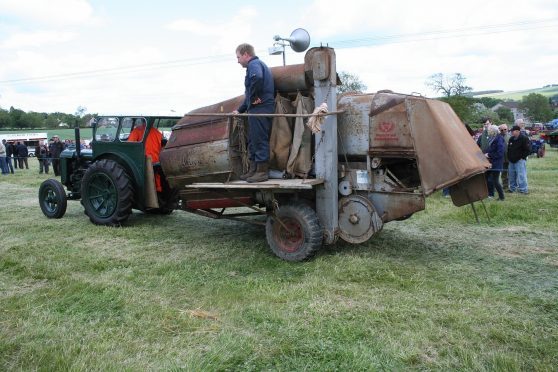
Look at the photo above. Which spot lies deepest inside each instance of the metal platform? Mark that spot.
(293, 184)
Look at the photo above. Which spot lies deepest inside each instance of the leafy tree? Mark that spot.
(489, 101)
(5, 119)
(463, 107)
(505, 114)
(34, 119)
(80, 111)
(453, 85)
(17, 117)
(537, 107)
(350, 83)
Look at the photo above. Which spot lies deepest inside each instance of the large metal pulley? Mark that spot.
(358, 220)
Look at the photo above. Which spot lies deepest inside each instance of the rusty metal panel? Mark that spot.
(445, 151)
(205, 161)
(227, 106)
(353, 124)
(469, 190)
(390, 134)
(392, 206)
(214, 130)
(290, 78)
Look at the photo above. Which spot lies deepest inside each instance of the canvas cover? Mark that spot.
(300, 158)
(446, 153)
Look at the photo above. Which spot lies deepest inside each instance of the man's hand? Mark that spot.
(235, 112)
(257, 101)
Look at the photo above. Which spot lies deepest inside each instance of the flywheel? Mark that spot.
(358, 220)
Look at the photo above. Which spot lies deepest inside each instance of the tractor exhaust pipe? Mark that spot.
(78, 141)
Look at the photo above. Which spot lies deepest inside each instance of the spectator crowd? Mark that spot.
(14, 155)
(507, 153)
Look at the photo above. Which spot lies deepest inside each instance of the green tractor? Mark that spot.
(113, 177)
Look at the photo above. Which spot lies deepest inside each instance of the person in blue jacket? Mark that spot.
(495, 154)
(258, 99)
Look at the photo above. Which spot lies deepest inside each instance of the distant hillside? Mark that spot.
(548, 91)
(484, 93)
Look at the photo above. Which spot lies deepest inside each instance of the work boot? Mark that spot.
(250, 172)
(261, 173)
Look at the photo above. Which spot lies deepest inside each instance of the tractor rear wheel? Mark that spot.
(294, 232)
(107, 193)
(52, 198)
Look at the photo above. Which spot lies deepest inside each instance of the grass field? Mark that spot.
(519, 94)
(435, 292)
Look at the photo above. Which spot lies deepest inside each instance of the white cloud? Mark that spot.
(181, 63)
(37, 39)
(52, 12)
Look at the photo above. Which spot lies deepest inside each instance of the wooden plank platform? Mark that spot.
(293, 184)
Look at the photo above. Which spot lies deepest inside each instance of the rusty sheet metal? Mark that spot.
(290, 78)
(445, 151)
(218, 203)
(353, 124)
(227, 106)
(207, 162)
(469, 190)
(209, 131)
(384, 134)
(392, 206)
(390, 133)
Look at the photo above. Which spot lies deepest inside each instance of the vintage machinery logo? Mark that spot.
(385, 131)
(386, 126)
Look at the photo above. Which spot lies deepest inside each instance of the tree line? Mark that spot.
(471, 110)
(19, 119)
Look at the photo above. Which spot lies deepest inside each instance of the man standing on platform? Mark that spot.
(258, 99)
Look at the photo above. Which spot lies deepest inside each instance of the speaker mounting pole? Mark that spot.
(299, 42)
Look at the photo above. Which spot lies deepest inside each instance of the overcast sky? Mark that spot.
(171, 56)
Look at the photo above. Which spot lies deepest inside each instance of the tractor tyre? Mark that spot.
(294, 232)
(107, 194)
(52, 198)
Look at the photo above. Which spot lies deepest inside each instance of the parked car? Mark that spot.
(552, 138)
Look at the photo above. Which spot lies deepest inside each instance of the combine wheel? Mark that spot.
(294, 232)
(52, 198)
(107, 193)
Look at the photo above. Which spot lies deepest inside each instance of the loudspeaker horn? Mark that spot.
(299, 40)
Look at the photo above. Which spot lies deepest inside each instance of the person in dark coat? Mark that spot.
(258, 99)
(483, 139)
(518, 151)
(55, 148)
(22, 155)
(41, 152)
(495, 154)
(9, 153)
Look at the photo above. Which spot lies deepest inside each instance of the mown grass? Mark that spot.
(437, 291)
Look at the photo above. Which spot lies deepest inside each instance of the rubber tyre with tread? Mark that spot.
(304, 236)
(107, 193)
(52, 198)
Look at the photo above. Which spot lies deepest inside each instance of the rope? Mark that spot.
(317, 119)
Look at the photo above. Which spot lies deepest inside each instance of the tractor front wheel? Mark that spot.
(52, 198)
(107, 193)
